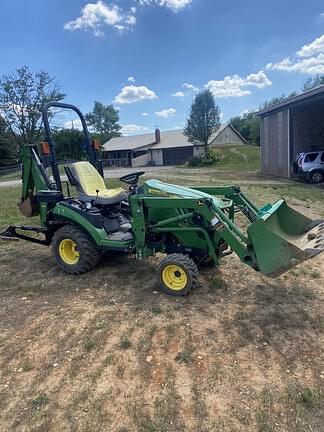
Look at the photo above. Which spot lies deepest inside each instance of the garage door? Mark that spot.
(177, 156)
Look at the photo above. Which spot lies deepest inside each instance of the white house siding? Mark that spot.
(142, 160)
(198, 151)
(227, 137)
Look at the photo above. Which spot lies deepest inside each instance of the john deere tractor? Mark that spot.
(192, 227)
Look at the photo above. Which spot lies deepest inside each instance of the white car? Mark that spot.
(311, 166)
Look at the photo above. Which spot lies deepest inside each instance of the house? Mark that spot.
(289, 128)
(163, 148)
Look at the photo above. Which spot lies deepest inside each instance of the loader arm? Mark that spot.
(202, 220)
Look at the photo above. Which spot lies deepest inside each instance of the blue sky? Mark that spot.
(149, 57)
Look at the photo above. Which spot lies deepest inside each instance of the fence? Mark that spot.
(10, 169)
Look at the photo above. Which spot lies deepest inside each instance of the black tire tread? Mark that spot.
(186, 262)
(90, 254)
(314, 172)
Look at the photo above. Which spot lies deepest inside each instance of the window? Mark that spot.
(310, 157)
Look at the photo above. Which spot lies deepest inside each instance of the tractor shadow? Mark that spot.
(282, 316)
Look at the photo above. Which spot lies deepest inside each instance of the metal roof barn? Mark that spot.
(293, 126)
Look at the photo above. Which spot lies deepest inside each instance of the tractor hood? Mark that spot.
(156, 188)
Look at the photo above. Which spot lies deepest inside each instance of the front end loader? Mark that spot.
(192, 227)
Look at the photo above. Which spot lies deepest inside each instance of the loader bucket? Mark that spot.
(282, 238)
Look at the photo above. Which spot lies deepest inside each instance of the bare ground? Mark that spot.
(106, 351)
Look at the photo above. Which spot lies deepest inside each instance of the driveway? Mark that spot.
(109, 173)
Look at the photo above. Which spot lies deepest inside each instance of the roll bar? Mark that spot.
(91, 151)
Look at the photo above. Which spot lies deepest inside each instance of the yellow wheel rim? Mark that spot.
(69, 252)
(174, 277)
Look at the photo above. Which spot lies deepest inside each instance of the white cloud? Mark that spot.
(131, 79)
(236, 86)
(144, 114)
(133, 129)
(310, 66)
(308, 60)
(178, 94)
(174, 5)
(95, 16)
(316, 47)
(190, 87)
(130, 94)
(166, 113)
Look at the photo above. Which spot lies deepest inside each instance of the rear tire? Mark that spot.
(316, 177)
(177, 274)
(74, 251)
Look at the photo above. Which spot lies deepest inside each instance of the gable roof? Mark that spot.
(222, 128)
(173, 138)
(169, 139)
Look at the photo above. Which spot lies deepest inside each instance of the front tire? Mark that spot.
(177, 274)
(316, 177)
(74, 251)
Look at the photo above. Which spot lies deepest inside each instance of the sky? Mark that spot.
(150, 57)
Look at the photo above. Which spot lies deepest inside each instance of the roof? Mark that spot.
(222, 128)
(129, 142)
(317, 92)
(169, 139)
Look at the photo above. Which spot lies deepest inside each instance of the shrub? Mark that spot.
(210, 158)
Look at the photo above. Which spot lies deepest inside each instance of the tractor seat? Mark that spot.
(88, 181)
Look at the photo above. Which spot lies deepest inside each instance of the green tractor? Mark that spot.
(192, 227)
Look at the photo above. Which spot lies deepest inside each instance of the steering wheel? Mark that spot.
(132, 179)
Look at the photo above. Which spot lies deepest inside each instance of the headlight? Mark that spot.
(214, 221)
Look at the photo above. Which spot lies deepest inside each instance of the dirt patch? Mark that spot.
(107, 351)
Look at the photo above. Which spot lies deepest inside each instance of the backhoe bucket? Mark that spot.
(282, 238)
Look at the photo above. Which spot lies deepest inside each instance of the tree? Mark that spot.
(313, 82)
(204, 119)
(22, 95)
(104, 121)
(248, 125)
(7, 145)
(241, 124)
(68, 144)
(277, 99)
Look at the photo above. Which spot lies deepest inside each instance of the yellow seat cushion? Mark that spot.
(91, 181)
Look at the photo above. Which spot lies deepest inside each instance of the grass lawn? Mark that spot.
(107, 351)
(239, 158)
(11, 176)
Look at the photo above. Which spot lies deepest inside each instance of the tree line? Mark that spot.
(23, 93)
